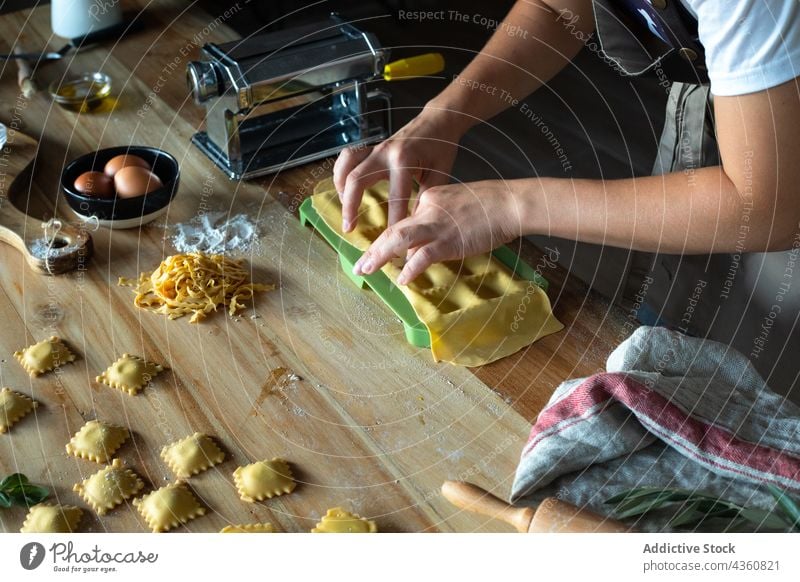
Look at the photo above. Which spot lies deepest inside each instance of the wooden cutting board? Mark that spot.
(372, 425)
(50, 247)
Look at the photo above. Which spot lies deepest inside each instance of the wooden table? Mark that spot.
(373, 425)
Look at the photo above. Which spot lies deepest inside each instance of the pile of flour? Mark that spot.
(215, 233)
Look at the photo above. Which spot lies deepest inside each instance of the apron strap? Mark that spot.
(657, 37)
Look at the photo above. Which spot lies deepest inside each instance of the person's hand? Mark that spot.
(423, 150)
(449, 222)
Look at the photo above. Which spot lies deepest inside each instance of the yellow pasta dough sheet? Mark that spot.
(476, 310)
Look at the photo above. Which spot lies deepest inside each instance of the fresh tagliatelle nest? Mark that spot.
(194, 283)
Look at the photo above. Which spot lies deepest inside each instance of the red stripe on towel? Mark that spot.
(712, 439)
(587, 395)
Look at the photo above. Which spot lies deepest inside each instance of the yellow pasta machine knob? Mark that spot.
(419, 66)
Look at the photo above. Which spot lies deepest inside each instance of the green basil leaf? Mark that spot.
(654, 495)
(4, 500)
(644, 505)
(764, 519)
(631, 494)
(36, 494)
(641, 493)
(788, 506)
(13, 481)
(702, 512)
(687, 514)
(718, 525)
(17, 490)
(693, 518)
(710, 505)
(17, 497)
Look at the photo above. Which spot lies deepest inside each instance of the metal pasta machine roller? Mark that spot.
(286, 98)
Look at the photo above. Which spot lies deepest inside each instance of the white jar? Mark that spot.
(74, 18)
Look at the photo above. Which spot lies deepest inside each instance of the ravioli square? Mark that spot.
(169, 507)
(44, 356)
(13, 406)
(46, 518)
(248, 528)
(130, 374)
(109, 487)
(264, 480)
(337, 520)
(97, 441)
(192, 455)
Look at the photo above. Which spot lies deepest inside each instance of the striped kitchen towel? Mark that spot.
(670, 411)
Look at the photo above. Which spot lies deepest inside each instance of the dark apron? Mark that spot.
(745, 300)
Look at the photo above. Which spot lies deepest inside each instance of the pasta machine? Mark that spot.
(282, 99)
(286, 98)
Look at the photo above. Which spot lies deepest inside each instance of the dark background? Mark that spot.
(608, 125)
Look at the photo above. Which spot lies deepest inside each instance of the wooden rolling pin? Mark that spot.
(552, 515)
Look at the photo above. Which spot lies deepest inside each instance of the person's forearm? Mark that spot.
(536, 40)
(690, 213)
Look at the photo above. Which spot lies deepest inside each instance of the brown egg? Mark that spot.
(116, 163)
(134, 181)
(95, 184)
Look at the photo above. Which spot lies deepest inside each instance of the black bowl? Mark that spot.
(130, 211)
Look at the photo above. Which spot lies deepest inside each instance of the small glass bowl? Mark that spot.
(83, 92)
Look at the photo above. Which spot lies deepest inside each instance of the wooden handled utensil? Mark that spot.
(25, 75)
(51, 248)
(552, 515)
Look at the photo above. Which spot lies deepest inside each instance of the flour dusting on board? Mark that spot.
(41, 248)
(216, 233)
(44, 249)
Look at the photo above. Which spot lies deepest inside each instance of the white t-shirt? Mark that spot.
(750, 45)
